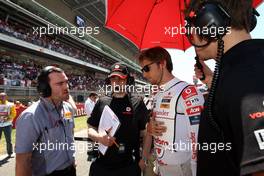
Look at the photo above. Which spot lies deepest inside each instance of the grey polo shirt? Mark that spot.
(47, 132)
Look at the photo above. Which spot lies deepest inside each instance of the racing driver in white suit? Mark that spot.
(175, 117)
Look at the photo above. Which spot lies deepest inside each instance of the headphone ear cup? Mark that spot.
(44, 88)
(48, 90)
(253, 22)
(213, 17)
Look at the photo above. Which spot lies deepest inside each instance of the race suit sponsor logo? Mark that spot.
(256, 115)
(188, 103)
(196, 110)
(158, 113)
(194, 120)
(161, 142)
(164, 106)
(166, 100)
(189, 92)
(192, 102)
(159, 147)
(260, 138)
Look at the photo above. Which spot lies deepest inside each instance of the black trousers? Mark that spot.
(68, 171)
(98, 169)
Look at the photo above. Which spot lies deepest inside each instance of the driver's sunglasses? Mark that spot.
(146, 67)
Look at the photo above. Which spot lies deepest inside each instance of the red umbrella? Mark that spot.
(257, 2)
(148, 23)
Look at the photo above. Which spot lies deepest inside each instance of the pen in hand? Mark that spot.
(107, 132)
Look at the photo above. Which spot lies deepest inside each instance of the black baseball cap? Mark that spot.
(119, 69)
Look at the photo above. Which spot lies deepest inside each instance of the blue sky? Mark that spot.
(183, 62)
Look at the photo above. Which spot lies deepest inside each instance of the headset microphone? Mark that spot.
(199, 66)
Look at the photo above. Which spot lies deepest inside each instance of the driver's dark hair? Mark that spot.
(157, 54)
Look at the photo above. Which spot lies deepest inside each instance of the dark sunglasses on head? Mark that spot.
(146, 67)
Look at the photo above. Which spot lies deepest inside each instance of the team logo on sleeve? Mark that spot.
(189, 92)
(260, 138)
(192, 102)
(194, 120)
(196, 110)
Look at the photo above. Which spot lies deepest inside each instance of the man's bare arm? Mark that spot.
(23, 164)
(101, 138)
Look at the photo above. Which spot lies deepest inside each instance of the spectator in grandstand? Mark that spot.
(48, 121)
(50, 42)
(121, 158)
(7, 113)
(89, 103)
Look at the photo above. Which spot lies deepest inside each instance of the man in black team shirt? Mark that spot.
(231, 132)
(132, 114)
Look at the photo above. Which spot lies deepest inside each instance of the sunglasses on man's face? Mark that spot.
(146, 68)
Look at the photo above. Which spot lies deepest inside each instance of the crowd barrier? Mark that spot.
(80, 112)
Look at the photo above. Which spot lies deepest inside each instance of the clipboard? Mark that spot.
(108, 120)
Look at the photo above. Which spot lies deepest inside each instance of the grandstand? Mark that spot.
(86, 59)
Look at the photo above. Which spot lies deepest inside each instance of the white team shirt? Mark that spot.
(179, 106)
(88, 107)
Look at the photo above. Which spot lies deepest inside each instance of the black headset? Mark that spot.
(43, 86)
(254, 16)
(130, 79)
(212, 14)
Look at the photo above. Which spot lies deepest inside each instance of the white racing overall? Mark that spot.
(179, 106)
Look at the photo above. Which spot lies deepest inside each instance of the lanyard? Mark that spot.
(55, 123)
